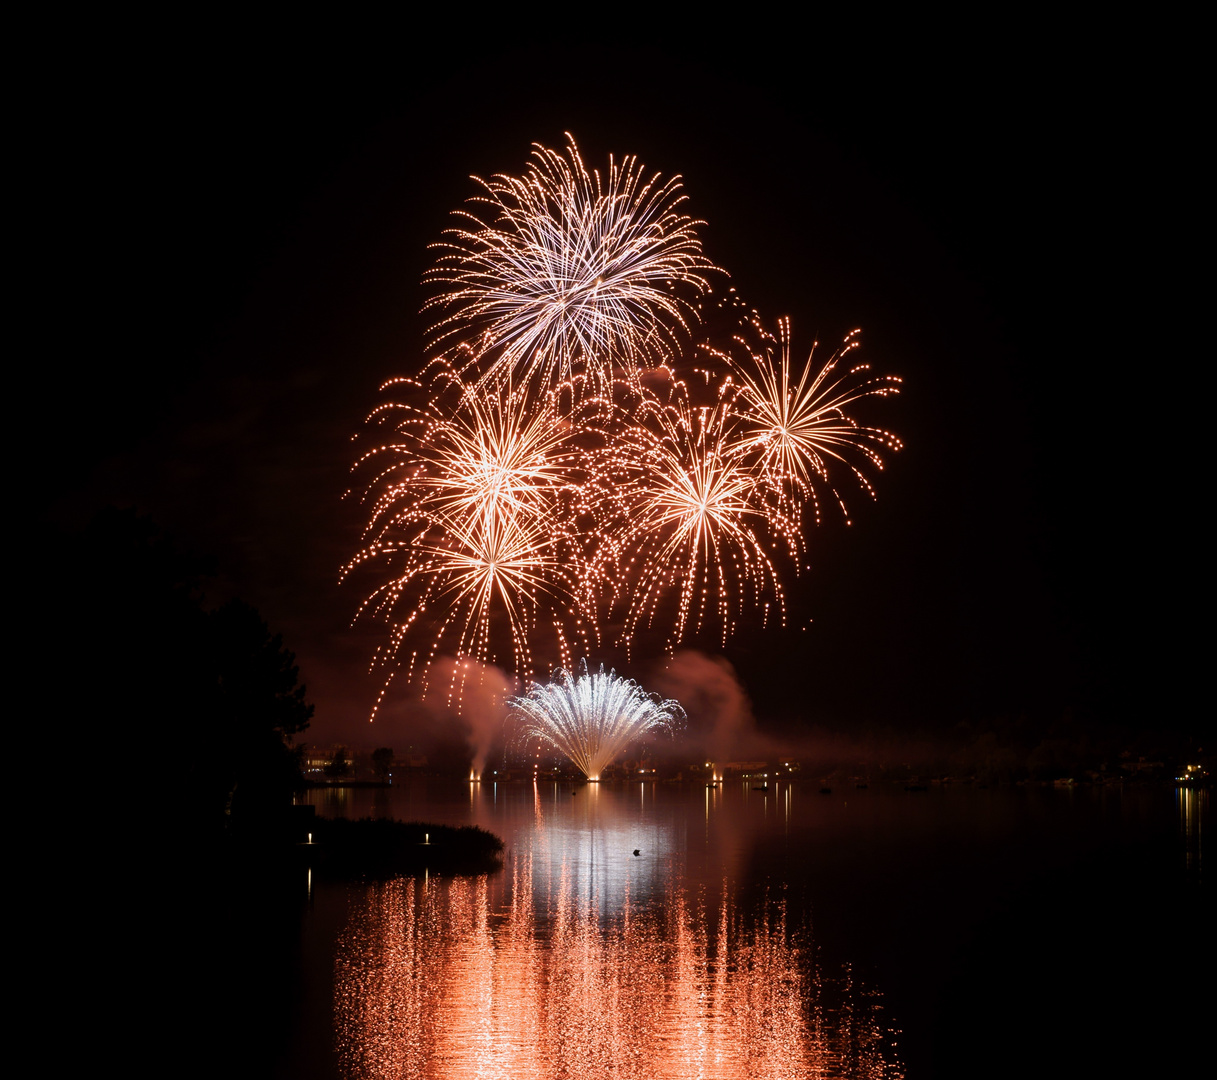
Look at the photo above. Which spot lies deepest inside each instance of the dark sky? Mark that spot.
(248, 225)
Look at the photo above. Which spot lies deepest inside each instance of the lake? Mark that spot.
(675, 930)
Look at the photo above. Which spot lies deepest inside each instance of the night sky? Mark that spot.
(245, 227)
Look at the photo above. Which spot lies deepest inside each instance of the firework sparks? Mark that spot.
(472, 508)
(574, 272)
(553, 472)
(467, 452)
(797, 428)
(695, 524)
(467, 570)
(592, 717)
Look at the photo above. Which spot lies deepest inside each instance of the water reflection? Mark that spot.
(1191, 806)
(558, 968)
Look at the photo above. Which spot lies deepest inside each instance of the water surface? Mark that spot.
(784, 933)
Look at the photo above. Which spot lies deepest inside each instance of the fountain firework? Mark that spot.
(592, 717)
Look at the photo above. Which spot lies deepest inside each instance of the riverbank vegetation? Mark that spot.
(380, 847)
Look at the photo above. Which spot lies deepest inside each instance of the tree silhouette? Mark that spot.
(337, 765)
(382, 762)
(203, 702)
(257, 704)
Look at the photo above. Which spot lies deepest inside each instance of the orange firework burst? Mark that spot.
(797, 429)
(696, 522)
(472, 508)
(574, 274)
(467, 452)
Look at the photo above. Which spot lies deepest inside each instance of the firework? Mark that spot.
(558, 467)
(473, 501)
(591, 718)
(695, 524)
(468, 452)
(572, 273)
(796, 430)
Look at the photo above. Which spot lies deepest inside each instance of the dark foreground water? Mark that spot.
(866, 933)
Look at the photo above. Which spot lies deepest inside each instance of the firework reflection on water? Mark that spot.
(500, 976)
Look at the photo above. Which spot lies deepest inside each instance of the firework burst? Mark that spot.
(592, 717)
(573, 273)
(695, 520)
(796, 429)
(473, 502)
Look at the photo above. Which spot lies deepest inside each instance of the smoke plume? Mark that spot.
(475, 694)
(720, 714)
